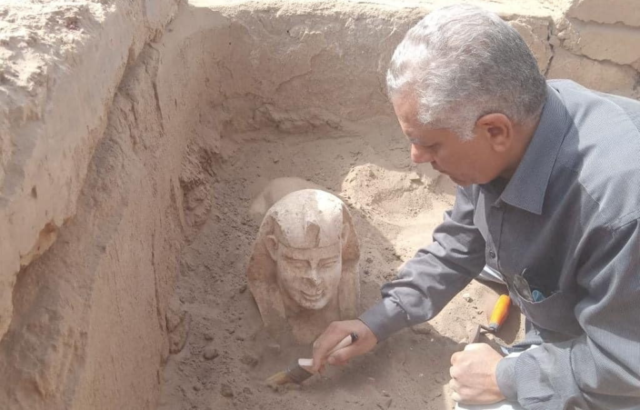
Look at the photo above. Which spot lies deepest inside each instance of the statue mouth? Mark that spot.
(313, 296)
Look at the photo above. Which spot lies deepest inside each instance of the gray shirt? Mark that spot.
(565, 228)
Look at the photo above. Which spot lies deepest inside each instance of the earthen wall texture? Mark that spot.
(111, 116)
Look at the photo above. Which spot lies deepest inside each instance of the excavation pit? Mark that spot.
(138, 137)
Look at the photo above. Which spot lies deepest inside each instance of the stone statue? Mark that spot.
(303, 272)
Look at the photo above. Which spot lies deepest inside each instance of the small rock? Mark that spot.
(369, 260)
(243, 289)
(249, 360)
(197, 387)
(178, 336)
(208, 337)
(274, 348)
(385, 394)
(467, 297)
(421, 329)
(226, 390)
(210, 353)
(387, 404)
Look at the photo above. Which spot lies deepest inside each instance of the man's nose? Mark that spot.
(420, 155)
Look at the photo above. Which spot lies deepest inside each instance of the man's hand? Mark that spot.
(473, 375)
(333, 335)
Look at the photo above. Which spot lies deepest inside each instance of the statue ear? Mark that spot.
(271, 243)
(350, 246)
(345, 232)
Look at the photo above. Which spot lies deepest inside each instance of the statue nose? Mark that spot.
(314, 277)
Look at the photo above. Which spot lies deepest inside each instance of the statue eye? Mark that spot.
(298, 263)
(326, 263)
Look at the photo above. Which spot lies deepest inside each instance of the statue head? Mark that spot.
(305, 257)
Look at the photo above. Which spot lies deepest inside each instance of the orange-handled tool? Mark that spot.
(498, 316)
(499, 313)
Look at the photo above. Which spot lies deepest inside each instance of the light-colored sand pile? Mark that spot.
(134, 135)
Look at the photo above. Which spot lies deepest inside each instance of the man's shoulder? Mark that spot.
(601, 151)
(577, 98)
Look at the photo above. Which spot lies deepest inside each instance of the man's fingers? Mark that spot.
(455, 357)
(456, 397)
(454, 385)
(327, 341)
(342, 356)
(334, 361)
(454, 372)
(455, 390)
(474, 346)
(334, 334)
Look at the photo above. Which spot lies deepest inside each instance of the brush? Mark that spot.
(298, 372)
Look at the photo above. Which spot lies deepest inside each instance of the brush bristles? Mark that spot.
(298, 374)
(279, 379)
(295, 374)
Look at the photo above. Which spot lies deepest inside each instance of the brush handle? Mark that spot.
(307, 363)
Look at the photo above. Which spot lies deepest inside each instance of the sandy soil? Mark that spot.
(110, 115)
(222, 354)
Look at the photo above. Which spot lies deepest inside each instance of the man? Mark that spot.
(549, 196)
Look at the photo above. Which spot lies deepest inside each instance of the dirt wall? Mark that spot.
(111, 116)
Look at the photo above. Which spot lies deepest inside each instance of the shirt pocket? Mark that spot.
(555, 312)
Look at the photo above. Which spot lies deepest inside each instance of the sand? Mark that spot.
(134, 137)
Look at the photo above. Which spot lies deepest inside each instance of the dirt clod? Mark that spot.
(249, 360)
(226, 390)
(210, 353)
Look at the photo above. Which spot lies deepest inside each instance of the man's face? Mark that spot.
(310, 276)
(465, 162)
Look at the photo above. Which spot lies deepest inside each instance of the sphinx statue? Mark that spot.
(303, 272)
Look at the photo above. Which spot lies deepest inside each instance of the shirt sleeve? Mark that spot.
(600, 369)
(428, 281)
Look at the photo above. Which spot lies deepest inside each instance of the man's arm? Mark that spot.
(429, 280)
(601, 369)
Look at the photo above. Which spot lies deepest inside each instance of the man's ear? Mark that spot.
(272, 246)
(498, 129)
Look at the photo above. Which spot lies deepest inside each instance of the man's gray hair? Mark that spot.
(462, 62)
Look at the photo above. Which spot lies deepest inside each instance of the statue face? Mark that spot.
(310, 277)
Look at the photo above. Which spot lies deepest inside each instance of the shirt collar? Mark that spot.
(526, 189)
